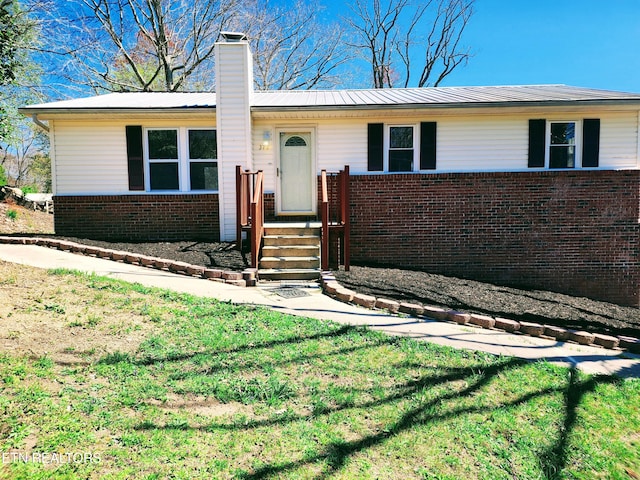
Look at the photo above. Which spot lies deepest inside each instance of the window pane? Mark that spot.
(401, 160)
(202, 144)
(563, 133)
(164, 176)
(401, 137)
(204, 175)
(562, 157)
(163, 144)
(295, 142)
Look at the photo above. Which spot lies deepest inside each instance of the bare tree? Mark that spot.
(26, 159)
(20, 141)
(396, 36)
(137, 45)
(292, 48)
(168, 45)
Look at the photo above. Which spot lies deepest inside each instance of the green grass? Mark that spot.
(217, 390)
(12, 214)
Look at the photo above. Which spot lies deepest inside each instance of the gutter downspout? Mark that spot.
(39, 122)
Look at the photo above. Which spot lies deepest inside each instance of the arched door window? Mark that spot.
(295, 141)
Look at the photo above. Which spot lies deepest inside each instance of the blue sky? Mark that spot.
(589, 43)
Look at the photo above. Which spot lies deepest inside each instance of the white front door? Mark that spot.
(296, 179)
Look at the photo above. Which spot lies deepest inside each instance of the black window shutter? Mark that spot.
(590, 142)
(135, 161)
(427, 146)
(537, 131)
(375, 147)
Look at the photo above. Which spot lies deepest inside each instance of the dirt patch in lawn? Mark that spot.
(54, 316)
(17, 219)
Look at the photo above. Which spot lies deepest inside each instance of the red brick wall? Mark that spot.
(138, 217)
(574, 232)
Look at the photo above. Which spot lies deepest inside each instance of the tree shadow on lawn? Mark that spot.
(552, 462)
(420, 411)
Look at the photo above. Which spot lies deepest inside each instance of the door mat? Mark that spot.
(290, 292)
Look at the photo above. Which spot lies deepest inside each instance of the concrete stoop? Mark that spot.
(621, 342)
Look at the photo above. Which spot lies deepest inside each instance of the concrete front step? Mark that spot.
(291, 251)
(290, 262)
(288, 274)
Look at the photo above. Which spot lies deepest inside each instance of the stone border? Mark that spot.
(247, 278)
(20, 198)
(330, 286)
(620, 342)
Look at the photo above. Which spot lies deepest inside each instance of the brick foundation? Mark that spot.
(572, 232)
(138, 217)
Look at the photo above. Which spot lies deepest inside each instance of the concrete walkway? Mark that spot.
(315, 304)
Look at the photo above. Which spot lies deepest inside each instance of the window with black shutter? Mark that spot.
(555, 144)
(172, 159)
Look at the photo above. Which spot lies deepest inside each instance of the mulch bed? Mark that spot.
(577, 313)
(221, 255)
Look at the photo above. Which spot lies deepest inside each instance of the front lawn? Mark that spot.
(135, 382)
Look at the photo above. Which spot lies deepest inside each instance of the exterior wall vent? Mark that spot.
(233, 37)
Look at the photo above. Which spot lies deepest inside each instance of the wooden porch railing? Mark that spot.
(250, 210)
(335, 215)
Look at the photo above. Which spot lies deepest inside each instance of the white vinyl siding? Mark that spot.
(343, 143)
(619, 141)
(482, 144)
(91, 156)
(234, 84)
(472, 143)
(264, 155)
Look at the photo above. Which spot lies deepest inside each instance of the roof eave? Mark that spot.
(115, 110)
(631, 103)
(453, 105)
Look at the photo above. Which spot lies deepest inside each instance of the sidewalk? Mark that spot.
(315, 304)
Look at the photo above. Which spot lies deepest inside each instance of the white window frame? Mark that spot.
(190, 160)
(184, 176)
(148, 161)
(416, 146)
(577, 146)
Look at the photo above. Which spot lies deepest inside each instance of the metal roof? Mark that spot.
(439, 96)
(337, 99)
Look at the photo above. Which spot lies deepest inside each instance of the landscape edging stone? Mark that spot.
(619, 342)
